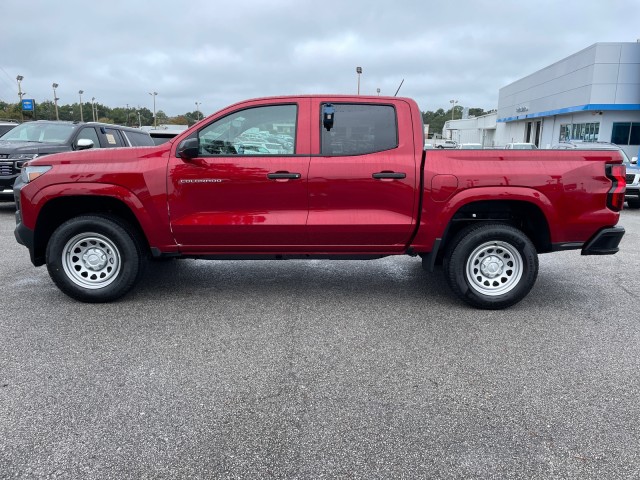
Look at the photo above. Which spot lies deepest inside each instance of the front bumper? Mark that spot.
(605, 242)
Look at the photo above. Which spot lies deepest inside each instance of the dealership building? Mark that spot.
(592, 95)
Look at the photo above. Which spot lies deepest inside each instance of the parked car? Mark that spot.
(632, 194)
(356, 184)
(6, 125)
(520, 146)
(42, 137)
(447, 144)
(162, 135)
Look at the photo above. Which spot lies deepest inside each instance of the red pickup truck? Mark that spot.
(336, 177)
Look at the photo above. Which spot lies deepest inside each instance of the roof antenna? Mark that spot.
(399, 88)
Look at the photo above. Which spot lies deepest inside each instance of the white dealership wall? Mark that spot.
(600, 84)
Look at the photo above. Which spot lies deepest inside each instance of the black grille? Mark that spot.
(6, 168)
(631, 177)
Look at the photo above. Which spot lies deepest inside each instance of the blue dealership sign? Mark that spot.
(28, 105)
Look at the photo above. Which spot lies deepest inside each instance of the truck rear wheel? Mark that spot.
(491, 266)
(94, 258)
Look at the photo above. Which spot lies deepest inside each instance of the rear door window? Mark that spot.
(360, 129)
(112, 138)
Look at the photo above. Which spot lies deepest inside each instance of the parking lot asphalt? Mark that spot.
(321, 369)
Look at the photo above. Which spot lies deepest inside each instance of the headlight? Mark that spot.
(29, 173)
(23, 156)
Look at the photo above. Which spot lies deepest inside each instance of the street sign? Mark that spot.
(28, 105)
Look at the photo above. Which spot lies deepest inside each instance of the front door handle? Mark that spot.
(398, 175)
(283, 176)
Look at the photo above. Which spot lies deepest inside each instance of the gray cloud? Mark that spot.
(217, 53)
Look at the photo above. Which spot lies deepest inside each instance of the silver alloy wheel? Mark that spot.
(494, 268)
(91, 260)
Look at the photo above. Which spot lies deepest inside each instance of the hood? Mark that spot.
(11, 147)
(95, 156)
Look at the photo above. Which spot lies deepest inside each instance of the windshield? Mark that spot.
(40, 132)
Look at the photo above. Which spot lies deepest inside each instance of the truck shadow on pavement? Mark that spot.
(387, 280)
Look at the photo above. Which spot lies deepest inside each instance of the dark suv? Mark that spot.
(42, 137)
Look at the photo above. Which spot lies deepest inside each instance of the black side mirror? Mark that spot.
(328, 111)
(188, 149)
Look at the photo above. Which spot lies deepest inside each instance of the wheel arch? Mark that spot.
(60, 209)
(526, 216)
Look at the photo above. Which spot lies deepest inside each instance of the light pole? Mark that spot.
(198, 110)
(80, 92)
(127, 114)
(155, 124)
(93, 109)
(139, 118)
(19, 79)
(453, 106)
(359, 72)
(55, 99)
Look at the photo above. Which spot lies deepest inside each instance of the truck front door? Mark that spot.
(247, 190)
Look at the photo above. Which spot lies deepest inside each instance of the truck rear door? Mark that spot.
(363, 178)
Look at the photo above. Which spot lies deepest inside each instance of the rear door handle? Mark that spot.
(380, 175)
(283, 176)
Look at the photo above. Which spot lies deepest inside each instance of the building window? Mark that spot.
(626, 133)
(586, 132)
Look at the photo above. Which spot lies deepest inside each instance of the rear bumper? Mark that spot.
(605, 242)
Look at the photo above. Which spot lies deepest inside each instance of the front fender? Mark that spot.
(150, 214)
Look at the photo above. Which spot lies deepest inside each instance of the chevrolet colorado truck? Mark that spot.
(339, 177)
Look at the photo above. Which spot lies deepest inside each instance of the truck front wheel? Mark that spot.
(94, 258)
(491, 266)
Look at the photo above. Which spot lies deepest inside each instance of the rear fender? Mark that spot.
(436, 216)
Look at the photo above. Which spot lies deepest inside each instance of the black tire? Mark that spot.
(491, 266)
(633, 202)
(95, 258)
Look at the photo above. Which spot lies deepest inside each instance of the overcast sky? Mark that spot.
(219, 52)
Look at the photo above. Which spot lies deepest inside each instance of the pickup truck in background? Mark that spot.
(349, 179)
(30, 140)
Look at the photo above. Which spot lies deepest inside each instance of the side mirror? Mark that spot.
(328, 111)
(84, 144)
(188, 149)
(634, 160)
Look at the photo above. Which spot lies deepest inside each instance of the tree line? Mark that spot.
(143, 116)
(132, 117)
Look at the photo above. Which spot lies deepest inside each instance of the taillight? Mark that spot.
(615, 197)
